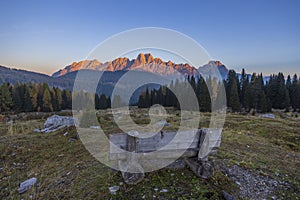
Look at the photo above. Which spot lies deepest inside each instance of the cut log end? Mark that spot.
(133, 178)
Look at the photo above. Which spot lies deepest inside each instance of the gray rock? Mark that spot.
(164, 190)
(162, 123)
(268, 115)
(56, 122)
(37, 130)
(26, 185)
(113, 190)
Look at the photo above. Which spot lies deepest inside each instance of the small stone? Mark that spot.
(227, 196)
(95, 127)
(66, 133)
(24, 186)
(37, 130)
(72, 140)
(269, 116)
(155, 189)
(164, 190)
(121, 183)
(113, 190)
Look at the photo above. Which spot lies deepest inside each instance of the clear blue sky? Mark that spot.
(262, 36)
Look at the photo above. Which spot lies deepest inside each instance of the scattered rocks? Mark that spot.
(113, 190)
(56, 122)
(269, 116)
(26, 185)
(251, 184)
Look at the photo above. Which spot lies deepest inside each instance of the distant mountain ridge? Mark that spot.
(147, 63)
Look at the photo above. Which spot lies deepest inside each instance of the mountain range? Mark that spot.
(144, 64)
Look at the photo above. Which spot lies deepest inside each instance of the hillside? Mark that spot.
(14, 76)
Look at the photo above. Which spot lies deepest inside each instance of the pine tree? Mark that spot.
(117, 101)
(33, 96)
(233, 95)
(102, 102)
(295, 93)
(27, 100)
(17, 99)
(54, 99)
(47, 106)
(147, 98)
(108, 102)
(203, 95)
(6, 101)
(58, 96)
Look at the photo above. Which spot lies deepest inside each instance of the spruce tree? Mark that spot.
(6, 101)
(233, 95)
(102, 102)
(47, 106)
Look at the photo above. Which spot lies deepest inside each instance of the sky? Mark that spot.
(259, 35)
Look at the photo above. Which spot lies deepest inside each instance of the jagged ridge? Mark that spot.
(143, 62)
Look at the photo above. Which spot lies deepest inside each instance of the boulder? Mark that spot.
(56, 122)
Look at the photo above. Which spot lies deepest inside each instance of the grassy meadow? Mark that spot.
(65, 170)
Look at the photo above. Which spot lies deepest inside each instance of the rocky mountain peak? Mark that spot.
(143, 62)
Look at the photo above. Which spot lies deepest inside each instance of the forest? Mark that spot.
(243, 92)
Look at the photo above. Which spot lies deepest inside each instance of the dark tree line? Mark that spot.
(31, 97)
(243, 92)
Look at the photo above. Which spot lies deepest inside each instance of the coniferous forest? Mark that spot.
(243, 92)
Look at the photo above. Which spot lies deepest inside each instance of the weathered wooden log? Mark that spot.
(201, 169)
